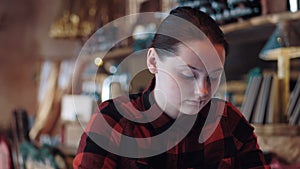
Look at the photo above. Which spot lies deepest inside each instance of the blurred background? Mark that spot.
(40, 42)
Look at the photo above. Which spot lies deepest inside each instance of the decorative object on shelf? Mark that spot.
(293, 111)
(226, 11)
(20, 125)
(79, 19)
(273, 6)
(260, 105)
(55, 81)
(283, 45)
(113, 86)
(260, 20)
(44, 156)
(294, 5)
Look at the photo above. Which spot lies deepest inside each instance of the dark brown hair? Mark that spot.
(191, 19)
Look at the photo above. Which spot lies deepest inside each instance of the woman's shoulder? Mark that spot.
(235, 121)
(232, 116)
(120, 107)
(228, 109)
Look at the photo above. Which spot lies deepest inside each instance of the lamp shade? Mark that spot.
(285, 40)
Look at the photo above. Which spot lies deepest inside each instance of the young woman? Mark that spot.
(175, 122)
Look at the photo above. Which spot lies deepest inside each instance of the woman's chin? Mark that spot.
(192, 108)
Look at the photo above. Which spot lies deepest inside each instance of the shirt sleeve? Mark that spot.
(249, 155)
(92, 156)
(91, 153)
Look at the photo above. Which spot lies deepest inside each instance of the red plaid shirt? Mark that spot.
(231, 145)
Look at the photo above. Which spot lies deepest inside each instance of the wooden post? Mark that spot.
(284, 83)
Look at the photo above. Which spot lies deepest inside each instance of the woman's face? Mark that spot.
(186, 82)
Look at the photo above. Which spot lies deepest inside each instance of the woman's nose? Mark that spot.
(202, 87)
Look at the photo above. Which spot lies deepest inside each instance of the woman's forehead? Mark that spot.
(201, 54)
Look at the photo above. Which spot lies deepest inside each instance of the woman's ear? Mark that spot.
(152, 59)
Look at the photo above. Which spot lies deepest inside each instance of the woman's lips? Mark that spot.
(193, 102)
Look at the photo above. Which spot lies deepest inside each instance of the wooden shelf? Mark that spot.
(280, 129)
(281, 139)
(260, 20)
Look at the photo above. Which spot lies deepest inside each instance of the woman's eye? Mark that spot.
(188, 74)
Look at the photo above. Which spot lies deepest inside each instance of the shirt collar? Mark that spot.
(148, 102)
(165, 120)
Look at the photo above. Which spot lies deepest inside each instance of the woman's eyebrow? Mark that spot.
(201, 69)
(192, 67)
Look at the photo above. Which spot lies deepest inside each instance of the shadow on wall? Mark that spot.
(245, 46)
